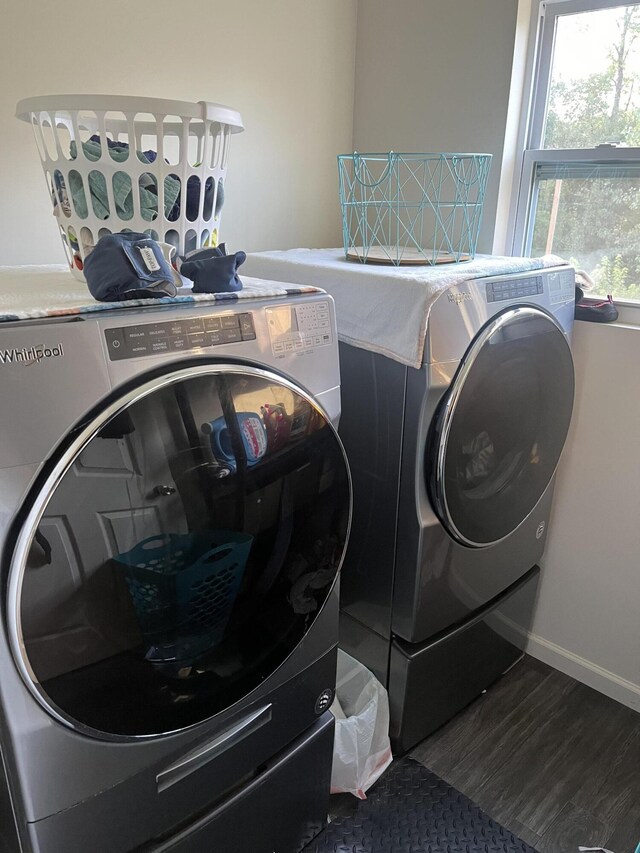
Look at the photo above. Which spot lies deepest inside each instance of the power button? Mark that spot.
(115, 344)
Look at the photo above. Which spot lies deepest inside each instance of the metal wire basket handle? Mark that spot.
(466, 182)
(357, 167)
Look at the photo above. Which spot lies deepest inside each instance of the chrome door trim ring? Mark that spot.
(452, 396)
(17, 565)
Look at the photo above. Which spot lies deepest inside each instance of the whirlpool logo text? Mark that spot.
(459, 298)
(30, 355)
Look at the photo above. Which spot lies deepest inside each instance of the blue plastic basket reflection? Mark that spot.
(412, 208)
(183, 588)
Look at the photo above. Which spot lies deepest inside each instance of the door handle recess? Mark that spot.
(197, 758)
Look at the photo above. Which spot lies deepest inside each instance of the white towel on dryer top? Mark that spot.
(382, 308)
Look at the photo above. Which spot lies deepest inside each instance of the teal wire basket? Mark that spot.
(412, 208)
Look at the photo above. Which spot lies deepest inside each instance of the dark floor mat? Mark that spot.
(411, 810)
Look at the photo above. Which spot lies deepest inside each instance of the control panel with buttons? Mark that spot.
(299, 328)
(178, 335)
(499, 291)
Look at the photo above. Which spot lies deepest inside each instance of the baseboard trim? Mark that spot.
(585, 671)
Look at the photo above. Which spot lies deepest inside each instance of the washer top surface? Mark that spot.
(55, 370)
(50, 290)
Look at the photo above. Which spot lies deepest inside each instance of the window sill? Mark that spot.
(624, 321)
(628, 312)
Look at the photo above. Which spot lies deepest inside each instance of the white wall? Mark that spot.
(588, 616)
(287, 66)
(434, 75)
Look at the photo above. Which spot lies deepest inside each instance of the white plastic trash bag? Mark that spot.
(361, 750)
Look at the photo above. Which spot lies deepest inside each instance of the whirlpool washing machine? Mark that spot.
(174, 506)
(453, 471)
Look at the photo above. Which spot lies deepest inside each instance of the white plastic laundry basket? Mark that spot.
(115, 162)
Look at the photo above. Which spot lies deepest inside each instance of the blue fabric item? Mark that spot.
(122, 188)
(120, 151)
(193, 199)
(122, 148)
(122, 184)
(212, 270)
(128, 266)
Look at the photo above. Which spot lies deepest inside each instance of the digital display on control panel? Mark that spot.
(178, 335)
(561, 286)
(299, 328)
(282, 320)
(498, 291)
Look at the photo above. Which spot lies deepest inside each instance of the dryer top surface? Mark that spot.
(386, 309)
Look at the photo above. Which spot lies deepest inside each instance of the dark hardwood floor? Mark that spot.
(554, 761)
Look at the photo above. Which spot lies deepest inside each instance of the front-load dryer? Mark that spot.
(174, 506)
(453, 469)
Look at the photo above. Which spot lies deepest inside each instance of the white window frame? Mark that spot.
(544, 16)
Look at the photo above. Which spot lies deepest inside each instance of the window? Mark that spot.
(579, 188)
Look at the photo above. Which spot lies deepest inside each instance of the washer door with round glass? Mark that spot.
(178, 552)
(498, 432)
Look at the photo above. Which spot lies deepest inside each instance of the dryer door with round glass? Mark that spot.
(498, 432)
(178, 550)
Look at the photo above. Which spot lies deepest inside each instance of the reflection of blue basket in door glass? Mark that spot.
(183, 588)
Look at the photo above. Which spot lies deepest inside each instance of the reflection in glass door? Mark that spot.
(499, 430)
(184, 553)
